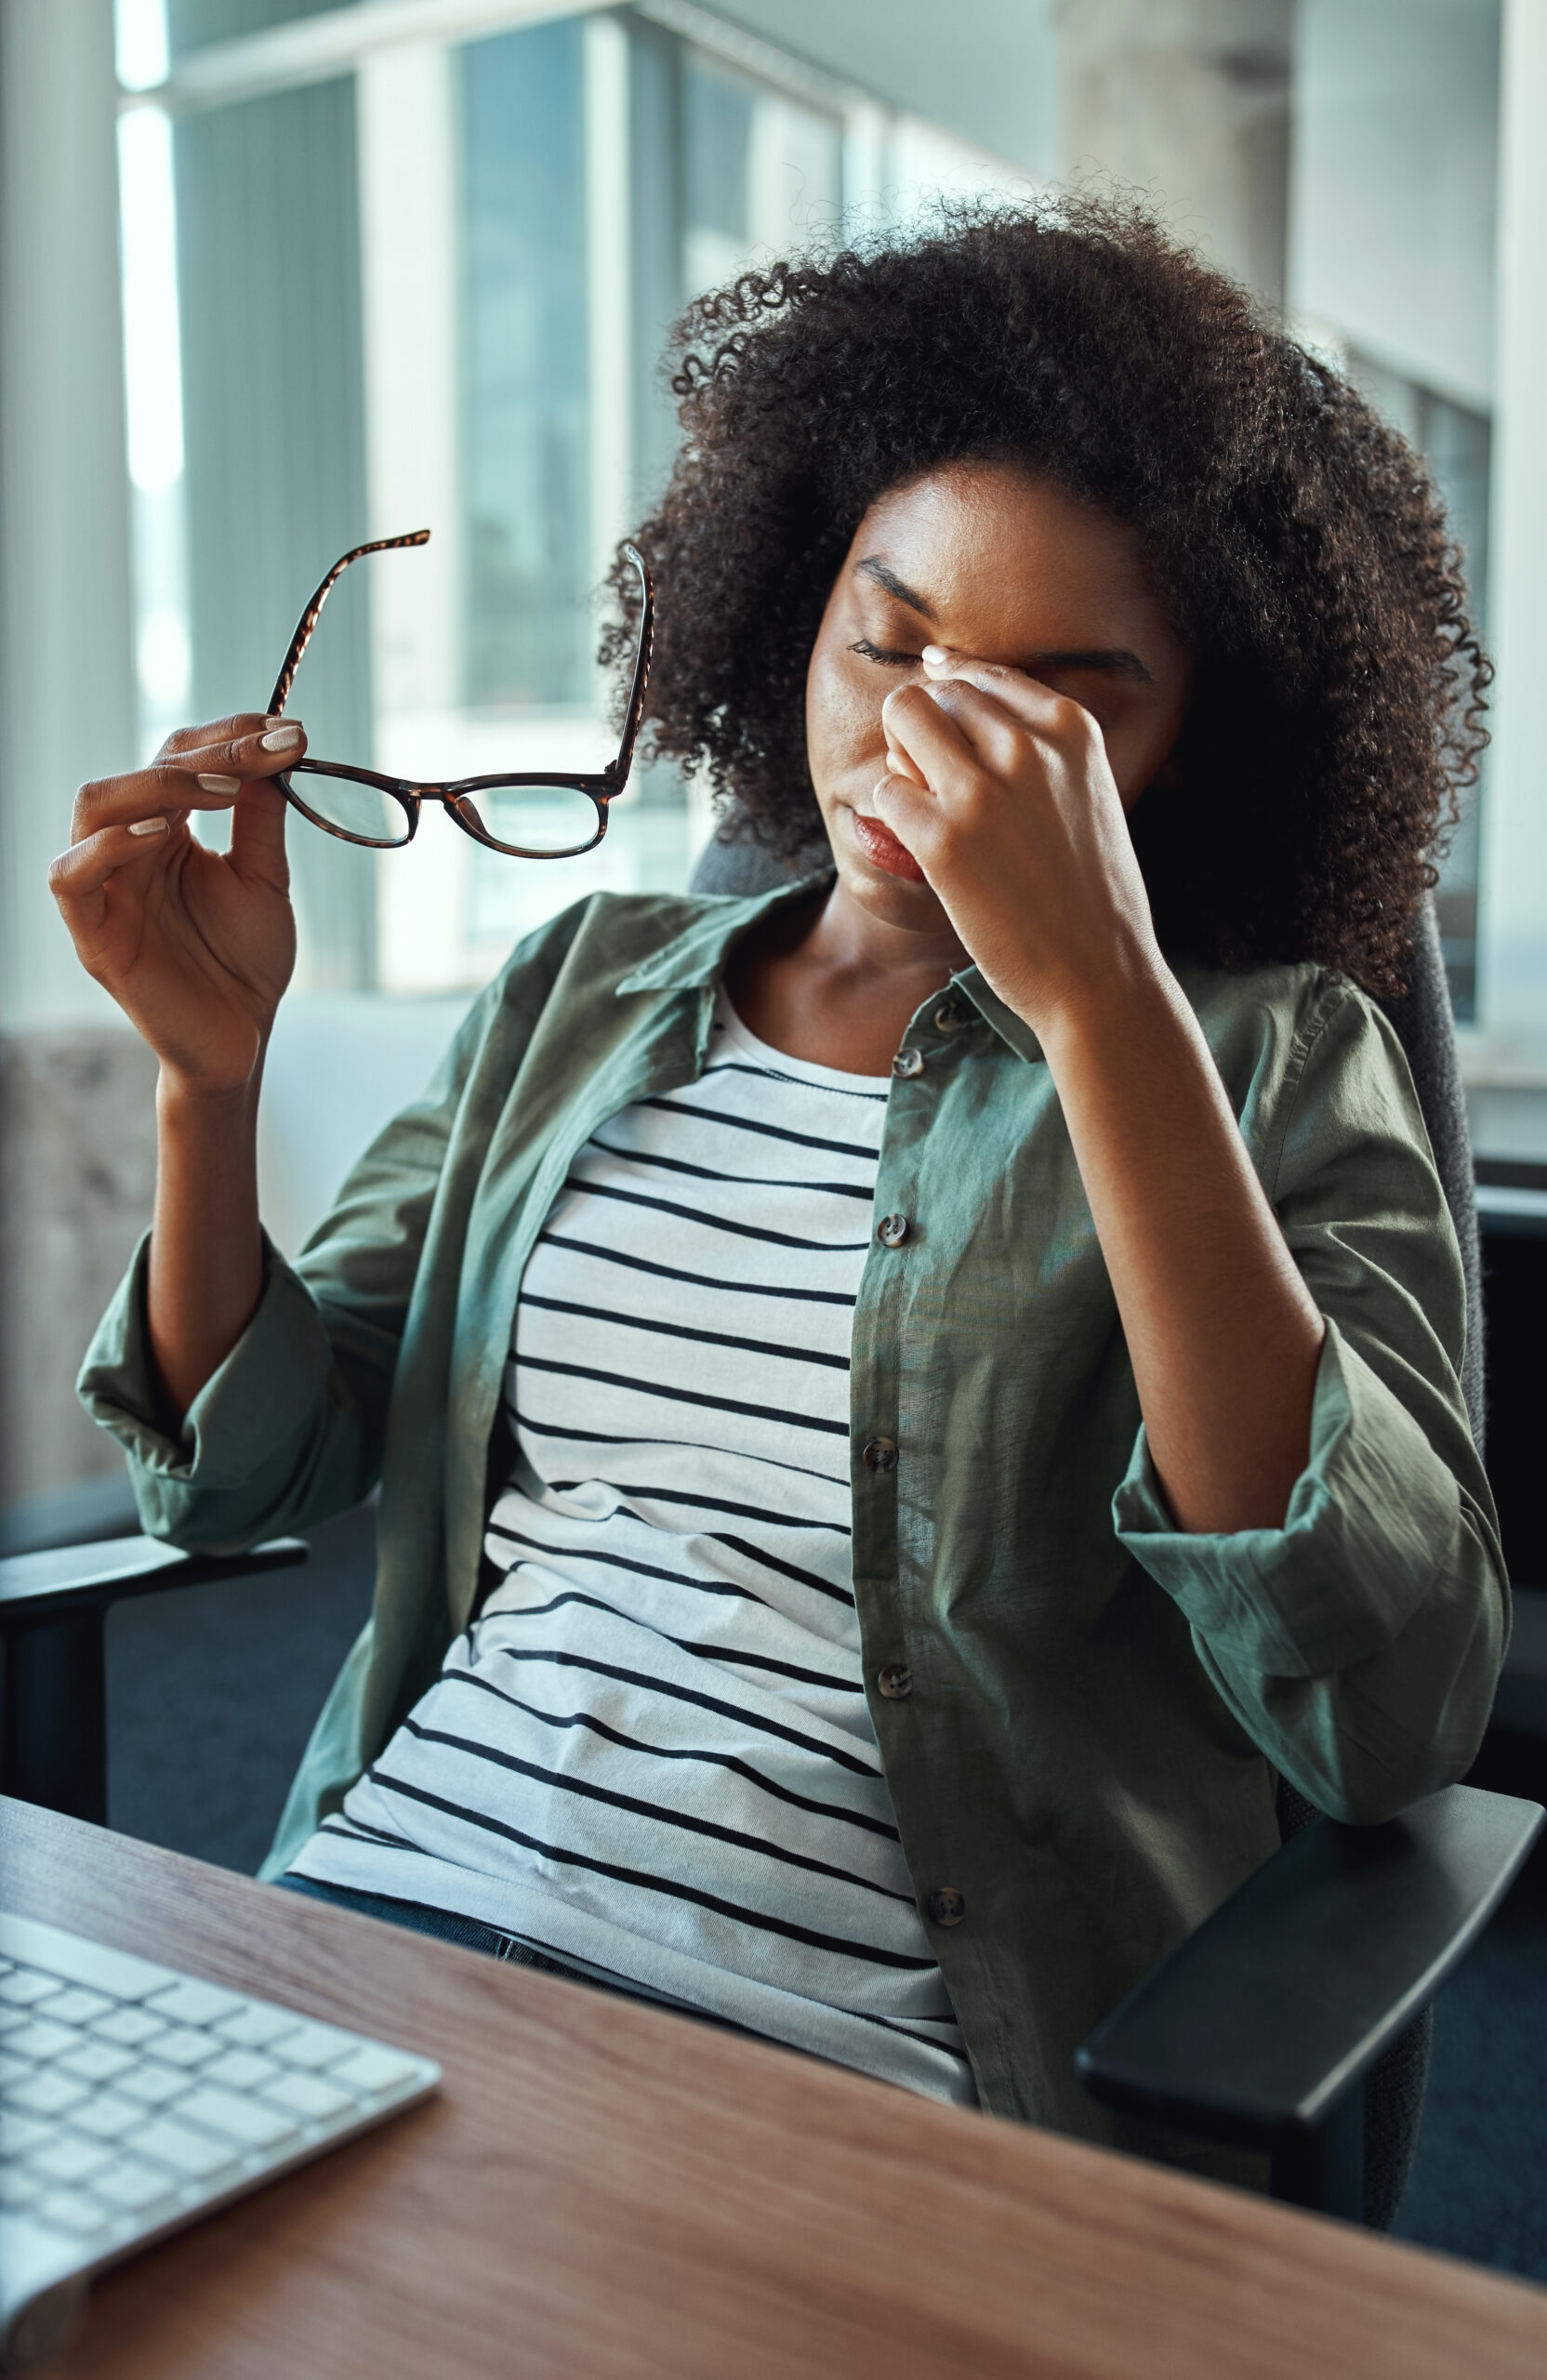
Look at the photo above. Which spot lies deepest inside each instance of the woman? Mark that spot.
(902, 1408)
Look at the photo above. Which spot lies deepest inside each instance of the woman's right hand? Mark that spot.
(195, 946)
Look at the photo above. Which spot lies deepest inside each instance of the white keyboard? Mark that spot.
(134, 2100)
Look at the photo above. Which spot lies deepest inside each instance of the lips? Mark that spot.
(883, 851)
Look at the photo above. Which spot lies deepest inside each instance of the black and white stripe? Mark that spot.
(651, 1752)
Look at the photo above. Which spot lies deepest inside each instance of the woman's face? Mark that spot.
(993, 564)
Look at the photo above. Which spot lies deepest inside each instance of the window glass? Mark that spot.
(528, 635)
(762, 174)
(267, 266)
(717, 124)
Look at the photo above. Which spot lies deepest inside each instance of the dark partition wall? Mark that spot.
(268, 269)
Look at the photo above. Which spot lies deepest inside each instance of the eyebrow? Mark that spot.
(874, 568)
(1119, 659)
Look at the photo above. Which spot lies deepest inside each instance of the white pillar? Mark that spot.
(66, 677)
(1514, 893)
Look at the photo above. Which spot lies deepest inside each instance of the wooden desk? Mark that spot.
(604, 2189)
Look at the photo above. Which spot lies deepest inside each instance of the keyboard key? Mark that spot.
(24, 1984)
(38, 2040)
(316, 2046)
(248, 2121)
(308, 2096)
(136, 2188)
(157, 2086)
(68, 2211)
(94, 2061)
(183, 2047)
(69, 2160)
(13, 2070)
(10, 2018)
(195, 2004)
(371, 2069)
(21, 2134)
(49, 2093)
(75, 1960)
(18, 2186)
(78, 2007)
(193, 2155)
(128, 2026)
(241, 2069)
(108, 2117)
(256, 2026)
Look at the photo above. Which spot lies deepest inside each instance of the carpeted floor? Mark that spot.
(212, 1691)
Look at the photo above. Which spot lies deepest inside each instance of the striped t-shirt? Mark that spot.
(650, 1753)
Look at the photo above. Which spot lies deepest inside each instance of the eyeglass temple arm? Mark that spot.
(309, 619)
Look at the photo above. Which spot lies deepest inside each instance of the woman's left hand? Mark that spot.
(1001, 790)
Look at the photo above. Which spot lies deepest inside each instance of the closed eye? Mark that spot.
(870, 652)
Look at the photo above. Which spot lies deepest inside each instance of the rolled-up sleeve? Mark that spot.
(264, 1445)
(1359, 1644)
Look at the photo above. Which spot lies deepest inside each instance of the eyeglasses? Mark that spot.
(539, 815)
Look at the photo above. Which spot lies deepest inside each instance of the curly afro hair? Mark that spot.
(1297, 540)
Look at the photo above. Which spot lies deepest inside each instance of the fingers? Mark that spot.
(1007, 721)
(911, 813)
(186, 776)
(952, 676)
(931, 743)
(1025, 696)
(258, 836)
(78, 878)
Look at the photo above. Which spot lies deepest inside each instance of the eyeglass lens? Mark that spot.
(364, 813)
(548, 819)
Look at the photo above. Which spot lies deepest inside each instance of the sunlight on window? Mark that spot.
(152, 396)
(153, 363)
(140, 40)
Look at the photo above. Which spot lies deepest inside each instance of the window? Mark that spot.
(425, 281)
(526, 424)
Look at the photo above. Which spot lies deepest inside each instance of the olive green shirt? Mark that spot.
(1101, 1703)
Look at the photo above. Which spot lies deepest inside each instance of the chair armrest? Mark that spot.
(53, 1610)
(73, 1578)
(1254, 2028)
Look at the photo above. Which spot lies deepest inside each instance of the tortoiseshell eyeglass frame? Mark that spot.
(602, 788)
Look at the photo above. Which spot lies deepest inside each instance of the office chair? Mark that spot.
(1296, 2020)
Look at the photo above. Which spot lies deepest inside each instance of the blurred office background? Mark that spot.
(277, 275)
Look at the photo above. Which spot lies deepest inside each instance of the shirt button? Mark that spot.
(951, 1016)
(892, 1230)
(882, 1455)
(909, 1063)
(947, 1907)
(895, 1681)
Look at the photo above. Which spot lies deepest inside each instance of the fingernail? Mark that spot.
(280, 738)
(934, 656)
(149, 826)
(219, 784)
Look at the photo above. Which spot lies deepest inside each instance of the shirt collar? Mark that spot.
(697, 956)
